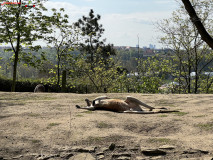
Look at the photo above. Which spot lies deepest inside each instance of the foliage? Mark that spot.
(151, 73)
(191, 53)
(94, 66)
(91, 44)
(19, 27)
(63, 39)
(102, 77)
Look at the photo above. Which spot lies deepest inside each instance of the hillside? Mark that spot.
(48, 126)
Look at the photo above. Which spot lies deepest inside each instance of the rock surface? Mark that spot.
(119, 152)
(82, 156)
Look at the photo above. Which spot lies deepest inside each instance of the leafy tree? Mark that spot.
(20, 26)
(91, 32)
(101, 78)
(62, 40)
(151, 73)
(192, 55)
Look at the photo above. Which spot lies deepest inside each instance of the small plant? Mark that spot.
(35, 141)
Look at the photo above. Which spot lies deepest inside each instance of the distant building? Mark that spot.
(210, 74)
(151, 46)
(148, 52)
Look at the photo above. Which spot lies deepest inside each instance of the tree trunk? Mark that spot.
(58, 73)
(16, 54)
(196, 21)
(14, 72)
(64, 80)
(196, 73)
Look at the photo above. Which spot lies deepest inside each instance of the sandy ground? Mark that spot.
(40, 122)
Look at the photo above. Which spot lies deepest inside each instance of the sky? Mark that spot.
(123, 20)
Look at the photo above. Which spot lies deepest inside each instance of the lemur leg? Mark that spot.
(88, 107)
(88, 102)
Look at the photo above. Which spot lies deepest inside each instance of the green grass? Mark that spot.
(177, 119)
(35, 141)
(205, 126)
(163, 115)
(103, 125)
(159, 140)
(91, 140)
(52, 125)
(199, 116)
(88, 112)
(180, 113)
(79, 115)
(33, 115)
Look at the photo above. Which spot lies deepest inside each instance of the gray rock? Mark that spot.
(116, 155)
(120, 146)
(48, 157)
(194, 151)
(153, 152)
(133, 149)
(83, 149)
(167, 147)
(99, 153)
(140, 158)
(66, 155)
(190, 159)
(207, 158)
(82, 156)
(104, 149)
(112, 147)
(100, 157)
(18, 157)
(39, 88)
(123, 158)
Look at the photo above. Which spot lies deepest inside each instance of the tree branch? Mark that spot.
(197, 22)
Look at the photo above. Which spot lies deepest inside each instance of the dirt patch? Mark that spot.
(33, 124)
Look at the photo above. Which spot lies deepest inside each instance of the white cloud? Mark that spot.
(73, 11)
(122, 29)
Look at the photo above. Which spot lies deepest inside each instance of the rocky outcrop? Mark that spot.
(119, 152)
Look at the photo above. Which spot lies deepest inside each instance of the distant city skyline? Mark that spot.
(123, 20)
